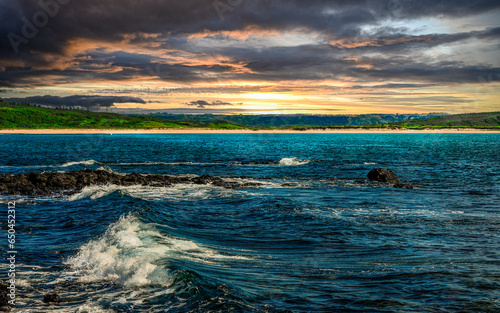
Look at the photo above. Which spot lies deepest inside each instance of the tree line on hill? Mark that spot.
(286, 120)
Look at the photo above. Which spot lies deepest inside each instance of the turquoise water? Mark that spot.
(316, 237)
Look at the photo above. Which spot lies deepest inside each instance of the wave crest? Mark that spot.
(129, 252)
(123, 255)
(180, 192)
(292, 162)
(87, 162)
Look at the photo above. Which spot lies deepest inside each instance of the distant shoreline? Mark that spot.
(237, 131)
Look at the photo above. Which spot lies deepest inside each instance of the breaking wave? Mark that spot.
(292, 162)
(179, 192)
(88, 162)
(283, 162)
(132, 253)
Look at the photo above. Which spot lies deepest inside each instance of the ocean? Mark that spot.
(315, 236)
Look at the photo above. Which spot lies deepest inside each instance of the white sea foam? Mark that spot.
(263, 184)
(123, 255)
(370, 163)
(292, 162)
(91, 308)
(284, 161)
(166, 163)
(95, 192)
(179, 192)
(128, 254)
(109, 170)
(87, 162)
(355, 214)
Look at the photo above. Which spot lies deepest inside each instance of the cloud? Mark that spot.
(192, 46)
(168, 22)
(203, 103)
(91, 102)
(424, 41)
(392, 86)
(182, 111)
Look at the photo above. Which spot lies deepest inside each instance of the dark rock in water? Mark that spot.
(405, 186)
(478, 193)
(45, 184)
(37, 178)
(4, 298)
(251, 185)
(52, 298)
(383, 175)
(131, 179)
(205, 179)
(229, 185)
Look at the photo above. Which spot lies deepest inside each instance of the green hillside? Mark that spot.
(25, 116)
(490, 120)
(297, 120)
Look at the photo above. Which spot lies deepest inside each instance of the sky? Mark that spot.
(253, 56)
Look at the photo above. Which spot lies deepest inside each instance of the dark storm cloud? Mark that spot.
(110, 20)
(22, 77)
(457, 8)
(272, 64)
(316, 63)
(36, 36)
(392, 86)
(203, 103)
(443, 73)
(398, 42)
(93, 102)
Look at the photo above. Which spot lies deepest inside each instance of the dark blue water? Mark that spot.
(316, 237)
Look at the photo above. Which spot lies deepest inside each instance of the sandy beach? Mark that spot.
(222, 131)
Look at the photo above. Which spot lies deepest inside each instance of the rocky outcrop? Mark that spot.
(383, 175)
(33, 184)
(4, 298)
(404, 186)
(52, 298)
